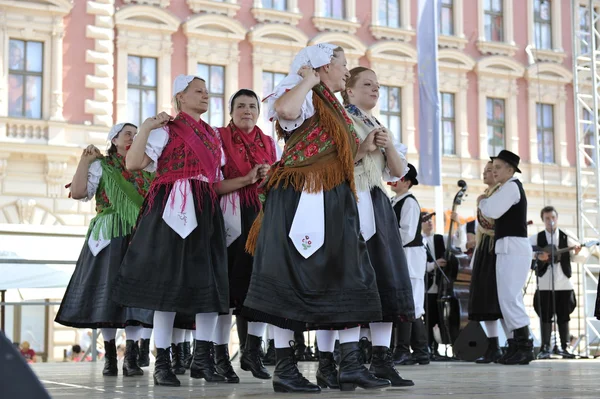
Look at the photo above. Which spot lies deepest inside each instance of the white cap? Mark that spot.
(115, 130)
(235, 94)
(181, 83)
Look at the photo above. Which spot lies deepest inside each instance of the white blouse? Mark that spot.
(93, 181)
(306, 111)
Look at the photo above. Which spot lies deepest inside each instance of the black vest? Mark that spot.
(471, 227)
(418, 241)
(514, 221)
(565, 258)
(439, 251)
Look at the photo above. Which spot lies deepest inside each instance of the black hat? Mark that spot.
(411, 175)
(510, 158)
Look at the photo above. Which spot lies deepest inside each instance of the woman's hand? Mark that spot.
(263, 170)
(310, 75)
(157, 121)
(253, 176)
(368, 145)
(90, 154)
(382, 138)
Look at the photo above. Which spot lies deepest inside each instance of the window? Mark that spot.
(25, 79)
(585, 39)
(214, 75)
(447, 18)
(389, 13)
(333, 9)
(496, 129)
(390, 114)
(545, 132)
(543, 24)
(493, 20)
(270, 81)
(141, 88)
(448, 124)
(279, 5)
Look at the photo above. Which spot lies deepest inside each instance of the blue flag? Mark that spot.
(430, 149)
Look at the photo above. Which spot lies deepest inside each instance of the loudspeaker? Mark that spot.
(471, 343)
(17, 380)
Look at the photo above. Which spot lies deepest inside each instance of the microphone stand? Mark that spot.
(535, 268)
(552, 257)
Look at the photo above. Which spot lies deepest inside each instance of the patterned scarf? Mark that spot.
(485, 226)
(243, 151)
(318, 156)
(193, 149)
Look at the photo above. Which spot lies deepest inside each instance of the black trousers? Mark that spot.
(432, 316)
(565, 304)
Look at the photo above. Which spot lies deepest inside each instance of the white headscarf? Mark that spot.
(314, 56)
(115, 130)
(236, 93)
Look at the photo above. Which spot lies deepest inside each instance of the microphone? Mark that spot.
(461, 183)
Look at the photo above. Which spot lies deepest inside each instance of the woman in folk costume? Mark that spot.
(119, 195)
(247, 151)
(483, 294)
(177, 259)
(311, 266)
(381, 160)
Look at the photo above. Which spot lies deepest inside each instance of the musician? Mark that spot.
(408, 213)
(508, 206)
(562, 286)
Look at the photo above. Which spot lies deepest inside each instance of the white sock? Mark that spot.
(178, 336)
(163, 328)
(491, 328)
(257, 329)
(381, 333)
(189, 335)
(282, 337)
(365, 333)
(326, 340)
(109, 334)
(133, 333)
(223, 329)
(205, 326)
(146, 333)
(349, 335)
(509, 333)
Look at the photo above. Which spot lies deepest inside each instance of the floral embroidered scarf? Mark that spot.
(485, 226)
(243, 151)
(318, 156)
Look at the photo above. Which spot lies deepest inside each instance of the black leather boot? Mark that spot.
(510, 350)
(162, 369)
(300, 350)
(418, 341)
(366, 347)
(187, 355)
(352, 373)
(545, 350)
(327, 372)
(382, 366)
(402, 355)
(241, 324)
(251, 361)
(524, 351)
(144, 348)
(223, 364)
(203, 365)
(270, 358)
(565, 339)
(493, 352)
(130, 364)
(110, 359)
(287, 377)
(177, 359)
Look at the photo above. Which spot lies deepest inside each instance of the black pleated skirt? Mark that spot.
(389, 262)
(87, 301)
(162, 271)
(334, 288)
(483, 293)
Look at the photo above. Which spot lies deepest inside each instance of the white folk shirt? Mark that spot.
(410, 218)
(561, 282)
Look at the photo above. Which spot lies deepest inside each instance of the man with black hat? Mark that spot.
(508, 206)
(408, 213)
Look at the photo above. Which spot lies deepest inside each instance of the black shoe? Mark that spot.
(565, 338)
(403, 358)
(270, 359)
(352, 373)
(144, 356)
(110, 359)
(546, 333)
(493, 352)
(223, 364)
(162, 369)
(177, 362)
(130, 364)
(510, 350)
(287, 377)
(545, 353)
(203, 365)
(366, 349)
(327, 373)
(524, 351)
(251, 361)
(382, 366)
(187, 355)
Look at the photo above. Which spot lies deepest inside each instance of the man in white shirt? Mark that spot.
(554, 278)
(508, 206)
